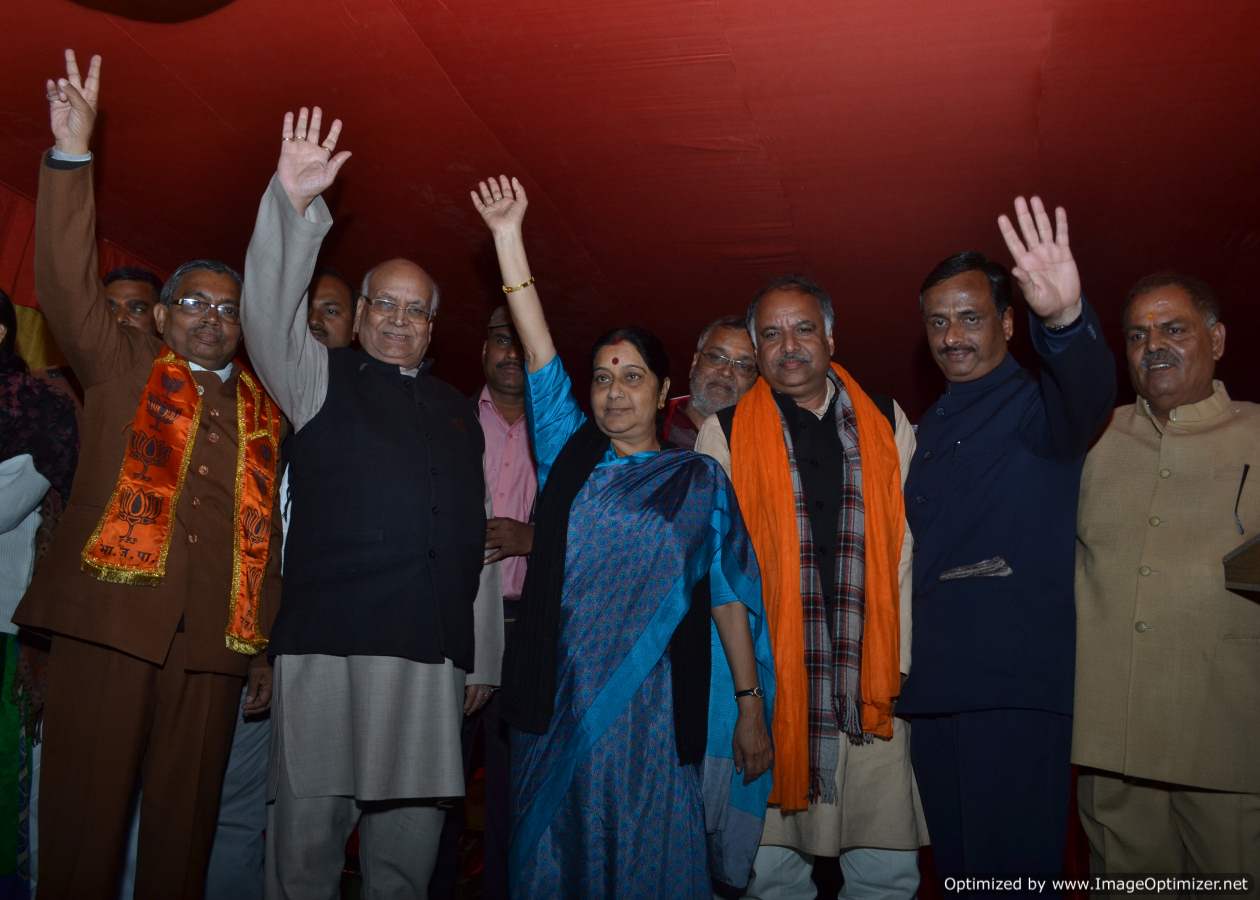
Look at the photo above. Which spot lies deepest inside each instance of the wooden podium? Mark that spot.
(1242, 568)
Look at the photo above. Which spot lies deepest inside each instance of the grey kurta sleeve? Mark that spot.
(488, 623)
(278, 268)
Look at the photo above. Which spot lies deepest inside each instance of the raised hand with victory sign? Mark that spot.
(72, 105)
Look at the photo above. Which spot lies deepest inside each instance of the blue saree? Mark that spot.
(601, 805)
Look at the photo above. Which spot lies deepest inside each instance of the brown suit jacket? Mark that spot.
(113, 364)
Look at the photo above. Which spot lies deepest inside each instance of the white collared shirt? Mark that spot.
(224, 374)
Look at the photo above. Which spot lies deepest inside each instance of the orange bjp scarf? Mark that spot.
(133, 538)
(763, 485)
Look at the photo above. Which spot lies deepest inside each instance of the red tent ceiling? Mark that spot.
(680, 152)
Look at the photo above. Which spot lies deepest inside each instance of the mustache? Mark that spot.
(705, 379)
(727, 386)
(208, 331)
(507, 364)
(1159, 357)
(794, 356)
(947, 348)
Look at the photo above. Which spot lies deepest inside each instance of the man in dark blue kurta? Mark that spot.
(991, 499)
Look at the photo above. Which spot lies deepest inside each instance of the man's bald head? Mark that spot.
(394, 317)
(393, 266)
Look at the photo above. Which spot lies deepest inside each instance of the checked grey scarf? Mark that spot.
(833, 636)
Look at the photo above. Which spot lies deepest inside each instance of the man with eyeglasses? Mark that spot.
(160, 586)
(723, 368)
(237, 858)
(393, 629)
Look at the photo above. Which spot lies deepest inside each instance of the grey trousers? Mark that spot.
(306, 845)
(236, 858)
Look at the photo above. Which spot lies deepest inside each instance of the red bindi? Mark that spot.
(615, 360)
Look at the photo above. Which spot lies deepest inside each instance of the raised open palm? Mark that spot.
(307, 166)
(1044, 266)
(72, 105)
(501, 202)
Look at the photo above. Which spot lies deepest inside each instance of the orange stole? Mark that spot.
(131, 542)
(763, 485)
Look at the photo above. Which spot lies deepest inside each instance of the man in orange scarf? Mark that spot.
(160, 587)
(818, 467)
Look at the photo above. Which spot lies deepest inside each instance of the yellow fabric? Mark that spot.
(763, 484)
(35, 342)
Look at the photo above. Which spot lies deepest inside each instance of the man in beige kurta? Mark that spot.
(1168, 660)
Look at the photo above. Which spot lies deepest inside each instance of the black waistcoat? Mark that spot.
(387, 523)
(819, 456)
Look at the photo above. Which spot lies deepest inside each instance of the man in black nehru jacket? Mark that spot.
(375, 659)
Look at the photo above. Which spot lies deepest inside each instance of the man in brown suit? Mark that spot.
(143, 687)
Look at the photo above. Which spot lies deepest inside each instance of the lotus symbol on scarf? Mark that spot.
(136, 507)
(253, 582)
(161, 412)
(256, 525)
(149, 451)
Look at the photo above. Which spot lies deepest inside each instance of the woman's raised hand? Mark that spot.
(502, 203)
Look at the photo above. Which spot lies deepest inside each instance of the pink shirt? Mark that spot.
(510, 479)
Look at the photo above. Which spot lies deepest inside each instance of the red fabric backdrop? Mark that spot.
(680, 152)
(17, 273)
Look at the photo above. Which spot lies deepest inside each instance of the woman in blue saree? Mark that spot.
(639, 675)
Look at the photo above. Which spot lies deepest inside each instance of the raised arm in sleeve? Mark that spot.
(903, 435)
(278, 268)
(71, 295)
(1078, 388)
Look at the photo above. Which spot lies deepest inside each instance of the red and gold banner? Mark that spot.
(130, 543)
(257, 453)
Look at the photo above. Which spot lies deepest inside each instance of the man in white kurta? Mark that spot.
(875, 826)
